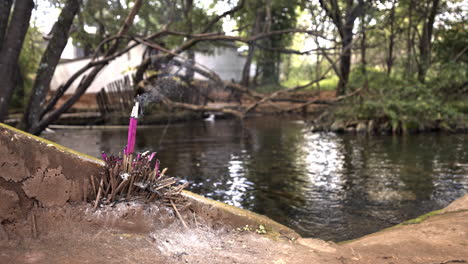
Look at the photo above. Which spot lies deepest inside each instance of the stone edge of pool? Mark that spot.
(35, 170)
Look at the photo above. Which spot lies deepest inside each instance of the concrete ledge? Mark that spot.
(37, 171)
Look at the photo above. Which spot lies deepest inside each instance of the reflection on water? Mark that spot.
(322, 185)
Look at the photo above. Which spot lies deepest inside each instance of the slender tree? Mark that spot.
(5, 7)
(409, 40)
(11, 48)
(48, 113)
(188, 13)
(250, 53)
(364, 50)
(48, 63)
(391, 40)
(343, 19)
(425, 42)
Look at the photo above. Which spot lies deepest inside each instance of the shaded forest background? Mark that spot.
(399, 63)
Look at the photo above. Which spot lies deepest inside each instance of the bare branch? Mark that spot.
(50, 115)
(281, 92)
(227, 13)
(64, 87)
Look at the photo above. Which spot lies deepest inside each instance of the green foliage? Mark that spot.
(28, 62)
(108, 16)
(451, 33)
(450, 43)
(299, 74)
(449, 79)
(261, 230)
(271, 15)
(269, 88)
(405, 102)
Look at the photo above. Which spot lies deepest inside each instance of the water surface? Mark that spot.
(323, 185)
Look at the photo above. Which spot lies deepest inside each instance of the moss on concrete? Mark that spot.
(57, 146)
(413, 221)
(419, 219)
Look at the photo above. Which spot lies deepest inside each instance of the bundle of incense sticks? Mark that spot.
(125, 177)
(134, 176)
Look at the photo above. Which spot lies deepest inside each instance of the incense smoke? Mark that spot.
(169, 86)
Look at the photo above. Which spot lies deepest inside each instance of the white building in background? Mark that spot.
(225, 60)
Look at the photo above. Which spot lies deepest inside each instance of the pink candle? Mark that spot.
(132, 129)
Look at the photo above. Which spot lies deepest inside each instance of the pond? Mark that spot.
(323, 185)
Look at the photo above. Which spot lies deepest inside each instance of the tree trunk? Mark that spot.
(11, 49)
(189, 73)
(391, 43)
(409, 43)
(425, 42)
(268, 67)
(248, 62)
(48, 63)
(245, 81)
(344, 25)
(363, 53)
(345, 62)
(5, 7)
(318, 65)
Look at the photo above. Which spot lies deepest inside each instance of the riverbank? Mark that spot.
(321, 109)
(383, 126)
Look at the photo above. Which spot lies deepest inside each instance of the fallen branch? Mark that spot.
(227, 13)
(281, 92)
(326, 102)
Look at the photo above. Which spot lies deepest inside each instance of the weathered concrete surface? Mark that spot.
(437, 237)
(36, 171)
(42, 172)
(9, 206)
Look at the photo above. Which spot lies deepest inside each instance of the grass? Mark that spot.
(328, 84)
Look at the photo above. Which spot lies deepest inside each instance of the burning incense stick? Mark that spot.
(132, 176)
(132, 129)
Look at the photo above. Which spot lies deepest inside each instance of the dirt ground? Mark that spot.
(132, 233)
(136, 233)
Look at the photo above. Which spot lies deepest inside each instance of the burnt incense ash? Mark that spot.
(132, 176)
